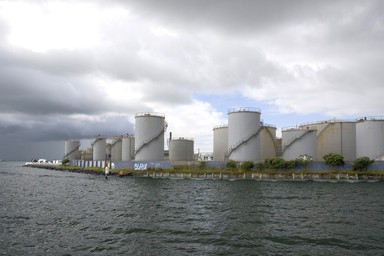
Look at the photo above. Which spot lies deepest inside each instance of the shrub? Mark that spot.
(305, 160)
(274, 163)
(292, 164)
(334, 159)
(247, 165)
(231, 164)
(362, 163)
(65, 161)
(202, 164)
(260, 166)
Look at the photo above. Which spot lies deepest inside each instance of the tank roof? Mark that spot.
(244, 109)
(155, 114)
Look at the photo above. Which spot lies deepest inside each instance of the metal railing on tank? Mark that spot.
(220, 126)
(244, 109)
(156, 114)
(370, 118)
(329, 121)
(183, 138)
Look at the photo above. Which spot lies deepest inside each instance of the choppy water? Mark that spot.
(58, 213)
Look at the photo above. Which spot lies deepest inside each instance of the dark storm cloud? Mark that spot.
(60, 128)
(244, 16)
(34, 92)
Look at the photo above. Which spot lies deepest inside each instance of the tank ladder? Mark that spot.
(73, 150)
(295, 139)
(150, 140)
(233, 148)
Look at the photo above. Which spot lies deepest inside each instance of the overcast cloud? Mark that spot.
(76, 69)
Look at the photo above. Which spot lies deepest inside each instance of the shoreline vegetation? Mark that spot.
(226, 173)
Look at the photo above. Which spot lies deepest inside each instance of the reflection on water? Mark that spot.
(49, 212)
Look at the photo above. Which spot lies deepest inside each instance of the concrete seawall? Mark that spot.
(226, 176)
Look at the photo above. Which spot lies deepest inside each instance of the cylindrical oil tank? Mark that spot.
(108, 150)
(149, 136)
(370, 138)
(181, 149)
(116, 148)
(243, 134)
(220, 142)
(127, 148)
(71, 151)
(86, 154)
(268, 145)
(99, 148)
(296, 142)
(335, 136)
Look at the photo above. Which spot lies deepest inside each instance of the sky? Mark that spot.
(76, 69)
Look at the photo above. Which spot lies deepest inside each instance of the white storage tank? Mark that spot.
(370, 138)
(296, 142)
(99, 148)
(335, 136)
(243, 134)
(149, 136)
(71, 151)
(127, 148)
(86, 154)
(268, 147)
(108, 151)
(181, 149)
(116, 148)
(220, 142)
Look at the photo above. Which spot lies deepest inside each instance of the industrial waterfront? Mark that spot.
(244, 138)
(47, 212)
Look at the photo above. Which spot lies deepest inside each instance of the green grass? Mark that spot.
(236, 171)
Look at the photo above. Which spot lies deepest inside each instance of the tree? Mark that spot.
(362, 163)
(334, 159)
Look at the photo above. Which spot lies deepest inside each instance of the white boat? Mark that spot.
(40, 161)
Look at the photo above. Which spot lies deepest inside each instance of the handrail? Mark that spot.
(289, 128)
(245, 109)
(319, 132)
(370, 118)
(182, 138)
(155, 114)
(73, 150)
(117, 139)
(220, 126)
(295, 139)
(148, 142)
(96, 140)
(271, 135)
(269, 125)
(329, 121)
(231, 149)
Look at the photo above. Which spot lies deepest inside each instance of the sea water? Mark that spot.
(46, 212)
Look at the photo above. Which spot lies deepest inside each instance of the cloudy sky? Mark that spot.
(76, 69)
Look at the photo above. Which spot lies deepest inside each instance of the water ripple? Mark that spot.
(56, 213)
